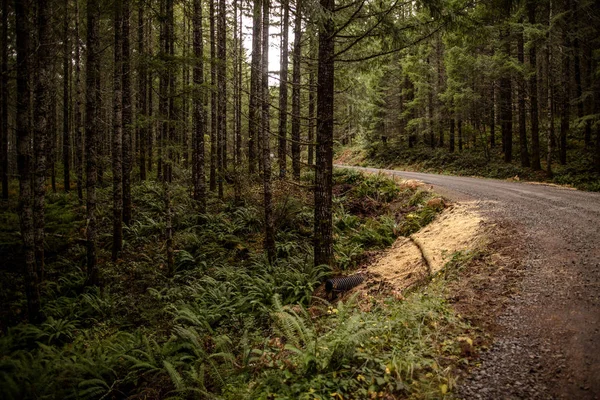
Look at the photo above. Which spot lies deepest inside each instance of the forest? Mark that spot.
(170, 209)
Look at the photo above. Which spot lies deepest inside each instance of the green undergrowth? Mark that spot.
(228, 324)
(579, 171)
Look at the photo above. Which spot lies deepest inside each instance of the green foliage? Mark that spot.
(396, 348)
(204, 332)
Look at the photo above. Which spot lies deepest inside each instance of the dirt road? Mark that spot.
(549, 342)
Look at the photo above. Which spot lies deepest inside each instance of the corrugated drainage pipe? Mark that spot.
(338, 285)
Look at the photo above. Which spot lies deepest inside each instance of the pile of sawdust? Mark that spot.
(456, 229)
(409, 260)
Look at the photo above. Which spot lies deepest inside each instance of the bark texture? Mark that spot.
(323, 219)
(297, 55)
(25, 156)
(283, 91)
(91, 138)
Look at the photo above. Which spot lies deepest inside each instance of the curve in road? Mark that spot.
(549, 346)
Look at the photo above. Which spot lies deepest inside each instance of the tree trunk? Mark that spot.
(172, 84)
(297, 55)
(269, 242)
(451, 135)
(565, 94)
(521, 101)
(198, 111)
(78, 104)
(533, 95)
(4, 97)
(91, 137)
(460, 135)
(151, 119)
(550, 98)
(142, 111)
(169, 228)
(237, 100)
(323, 235)
(163, 101)
(222, 97)
(42, 127)
(213, 100)
(66, 114)
(127, 115)
(117, 142)
(506, 114)
(25, 156)
(311, 105)
(578, 86)
(597, 111)
(283, 90)
(255, 87)
(52, 138)
(493, 118)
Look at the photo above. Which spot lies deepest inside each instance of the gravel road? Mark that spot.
(548, 345)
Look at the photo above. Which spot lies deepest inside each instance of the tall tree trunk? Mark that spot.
(25, 156)
(237, 100)
(597, 111)
(430, 118)
(66, 114)
(533, 95)
(142, 111)
(4, 98)
(506, 114)
(460, 134)
(578, 86)
(451, 135)
(117, 141)
(169, 227)
(269, 243)
(565, 94)
(91, 136)
(283, 90)
(255, 87)
(151, 119)
(323, 235)
(213, 100)
(297, 55)
(589, 99)
(172, 84)
(163, 101)
(127, 115)
(78, 104)
(185, 83)
(52, 139)
(42, 127)
(521, 101)
(311, 104)
(493, 117)
(222, 97)
(439, 87)
(198, 111)
(550, 96)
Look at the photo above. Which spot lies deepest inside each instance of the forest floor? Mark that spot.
(540, 300)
